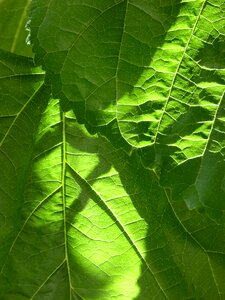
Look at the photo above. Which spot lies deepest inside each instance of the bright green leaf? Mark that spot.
(158, 70)
(87, 227)
(134, 211)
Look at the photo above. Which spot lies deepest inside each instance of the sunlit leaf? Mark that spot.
(112, 181)
(158, 70)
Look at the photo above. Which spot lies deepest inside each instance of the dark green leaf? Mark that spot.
(13, 17)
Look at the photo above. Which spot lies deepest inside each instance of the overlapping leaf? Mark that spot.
(93, 216)
(19, 83)
(86, 227)
(158, 69)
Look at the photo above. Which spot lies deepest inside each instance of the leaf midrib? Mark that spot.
(121, 228)
(64, 163)
(177, 70)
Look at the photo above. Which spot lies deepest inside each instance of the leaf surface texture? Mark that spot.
(113, 162)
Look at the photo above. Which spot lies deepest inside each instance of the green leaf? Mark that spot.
(134, 211)
(13, 16)
(20, 85)
(87, 227)
(158, 70)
